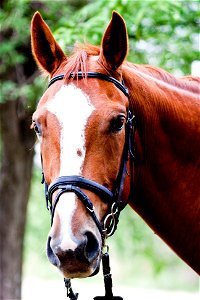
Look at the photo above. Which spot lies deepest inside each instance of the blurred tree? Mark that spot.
(161, 32)
(17, 70)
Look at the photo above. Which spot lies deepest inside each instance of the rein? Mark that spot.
(65, 184)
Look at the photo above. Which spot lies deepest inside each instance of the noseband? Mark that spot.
(75, 184)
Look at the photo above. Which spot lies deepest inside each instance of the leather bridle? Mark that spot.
(75, 184)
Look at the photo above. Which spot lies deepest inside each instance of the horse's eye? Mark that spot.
(117, 123)
(36, 127)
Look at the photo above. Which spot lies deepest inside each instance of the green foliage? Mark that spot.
(163, 33)
(15, 50)
(17, 68)
(38, 223)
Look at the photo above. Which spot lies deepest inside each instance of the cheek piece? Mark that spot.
(65, 184)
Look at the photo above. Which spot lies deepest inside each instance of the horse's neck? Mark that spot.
(166, 180)
(167, 113)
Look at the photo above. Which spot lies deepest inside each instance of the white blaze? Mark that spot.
(72, 108)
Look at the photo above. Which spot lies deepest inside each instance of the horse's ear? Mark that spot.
(45, 49)
(114, 45)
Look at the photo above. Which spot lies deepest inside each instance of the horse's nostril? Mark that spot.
(50, 253)
(91, 249)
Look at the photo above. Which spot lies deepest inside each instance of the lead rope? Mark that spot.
(70, 293)
(107, 281)
(107, 278)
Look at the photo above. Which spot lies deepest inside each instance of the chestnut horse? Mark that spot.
(81, 121)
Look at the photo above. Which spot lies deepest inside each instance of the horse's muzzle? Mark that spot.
(82, 261)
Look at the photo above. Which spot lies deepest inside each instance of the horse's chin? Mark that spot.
(96, 271)
(83, 274)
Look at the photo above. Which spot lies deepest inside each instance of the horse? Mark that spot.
(114, 133)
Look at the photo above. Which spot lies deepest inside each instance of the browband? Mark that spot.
(98, 75)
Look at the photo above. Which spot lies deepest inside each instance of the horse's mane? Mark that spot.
(190, 83)
(78, 61)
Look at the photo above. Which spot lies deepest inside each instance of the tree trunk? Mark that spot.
(17, 149)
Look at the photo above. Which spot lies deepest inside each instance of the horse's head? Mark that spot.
(80, 123)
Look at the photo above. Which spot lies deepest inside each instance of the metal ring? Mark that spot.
(110, 219)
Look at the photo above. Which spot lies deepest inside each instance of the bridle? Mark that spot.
(75, 184)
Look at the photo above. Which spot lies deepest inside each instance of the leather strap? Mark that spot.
(98, 75)
(81, 196)
(81, 182)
